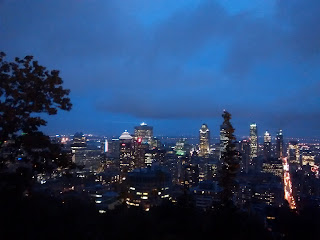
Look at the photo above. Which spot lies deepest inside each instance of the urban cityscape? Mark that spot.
(288, 170)
(159, 119)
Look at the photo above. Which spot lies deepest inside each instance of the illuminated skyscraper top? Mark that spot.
(267, 137)
(279, 144)
(204, 135)
(126, 152)
(267, 145)
(125, 136)
(223, 139)
(144, 132)
(253, 142)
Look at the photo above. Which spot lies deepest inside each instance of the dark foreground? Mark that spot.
(45, 217)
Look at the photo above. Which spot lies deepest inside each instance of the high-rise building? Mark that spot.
(244, 149)
(253, 142)
(307, 158)
(223, 139)
(182, 148)
(204, 140)
(140, 149)
(126, 152)
(148, 187)
(293, 153)
(78, 148)
(144, 132)
(267, 145)
(273, 166)
(279, 144)
(114, 148)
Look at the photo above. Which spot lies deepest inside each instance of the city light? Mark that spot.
(288, 195)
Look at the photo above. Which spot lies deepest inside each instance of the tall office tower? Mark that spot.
(293, 153)
(267, 145)
(223, 139)
(253, 142)
(114, 148)
(140, 149)
(144, 132)
(126, 153)
(279, 144)
(204, 140)
(78, 148)
(182, 148)
(244, 149)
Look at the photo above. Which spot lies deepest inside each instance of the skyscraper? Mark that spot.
(204, 136)
(293, 153)
(279, 144)
(244, 149)
(223, 139)
(126, 152)
(267, 145)
(78, 148)
(144, 132)
(253, 142)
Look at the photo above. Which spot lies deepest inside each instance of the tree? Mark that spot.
(27, 90)
(229, 162)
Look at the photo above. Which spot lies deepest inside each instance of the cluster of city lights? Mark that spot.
(288, 184)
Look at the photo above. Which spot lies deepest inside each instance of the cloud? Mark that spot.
(174, 59)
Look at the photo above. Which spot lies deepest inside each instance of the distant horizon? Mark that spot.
(238, 138)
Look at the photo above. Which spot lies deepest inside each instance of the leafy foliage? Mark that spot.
(27, 88)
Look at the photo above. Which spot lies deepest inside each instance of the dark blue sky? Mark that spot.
(175, 64)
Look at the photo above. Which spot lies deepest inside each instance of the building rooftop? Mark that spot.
(125, 136)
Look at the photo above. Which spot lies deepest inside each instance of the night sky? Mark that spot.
(174, 64)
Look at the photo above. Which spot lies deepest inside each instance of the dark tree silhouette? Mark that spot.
(27, 90)
(229, 162)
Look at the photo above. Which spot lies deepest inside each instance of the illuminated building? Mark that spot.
(223, 139)
(85, 153)
(104, 200)
(268, 193)
(253, 142)
(144, 132)
(205, 194)
(182, 148)
(293, 153)
(211, 169)
(148, 160)
(279, 145)
(273, 166)
(114, 148)
(126, 152)
(267, 145)
(190, 174)
(204, 141)
(307, 158)
(106, 146)
(148, 187)
(244, 149)
(140, 149)
(78, 147)
(156, 143)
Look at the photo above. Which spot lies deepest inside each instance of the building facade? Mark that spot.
(267, 145)
(126, 153)
(253, 142)
(204, 135)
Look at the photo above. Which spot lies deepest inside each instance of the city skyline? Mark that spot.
(174, 64)
(145, 119)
